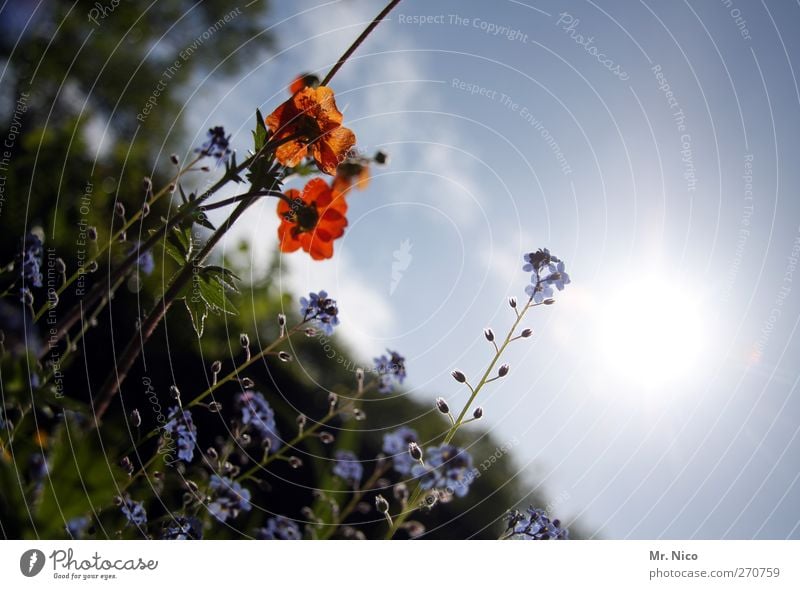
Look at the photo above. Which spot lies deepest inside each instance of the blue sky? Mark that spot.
(658, 397)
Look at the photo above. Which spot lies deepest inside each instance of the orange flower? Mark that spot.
(312, 220)
(313, 122)
(351, 174)
(302, 81)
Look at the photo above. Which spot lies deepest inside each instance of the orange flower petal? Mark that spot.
(298, 84)
(291, 153)
(288, 242)
(329, 116)
(331, 149)
(321, 250)
(341, 185)
(281, 117)
(317, 191)
(284, 207)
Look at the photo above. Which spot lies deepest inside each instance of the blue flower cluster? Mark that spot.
(257, 414)
(77, 526)
(133, 511)
(280, 528)
(216, 145)
(320, 308)
(534, 525)
(348, 467)
(230, 498)
(181, 426)
(395, 445)
(31, 261)
(390, 368)
(446, 468)
(183, 528)
(146, 264)
(546, 271)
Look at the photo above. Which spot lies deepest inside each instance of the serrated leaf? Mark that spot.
(198, 311)
(224, 277)
(179, 244)
(213, 292)
(230, 169)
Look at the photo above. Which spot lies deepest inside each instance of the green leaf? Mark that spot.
(260, 134)
(179, 244)
(79, 483)
(224, 277)
(198, 311)
(213, 292)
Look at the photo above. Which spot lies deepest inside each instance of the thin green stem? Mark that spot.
(305, 434)
(485, 378)
(461, 420)
(359, 40)
(380, 470)
(116, 236)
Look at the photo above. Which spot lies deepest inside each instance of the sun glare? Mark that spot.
(650, 332)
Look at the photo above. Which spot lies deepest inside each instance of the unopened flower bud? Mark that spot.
(247, 383)
(381, 157)
(415, 451)
(215, 406)
(459, 376)
(175, 392)
(281, 319)
(295, 462)
(212, 453)
(503, 370)
(216, 367)
(512, 302)
(119, 209)
(333, 398)
(442, 406)
(488, 334)
(126, 465)
(527, 332)
(136, 418)
(326, 437)
(92, 233)
(549, 301)
(310, 332)
(284, 356)
(244, 340)
(174, 159)
(92, 267)
(478, 413)
(359, 414)
(381, 504)
(147, 183)
(301, 421)
(359, 374)
(145, 209)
